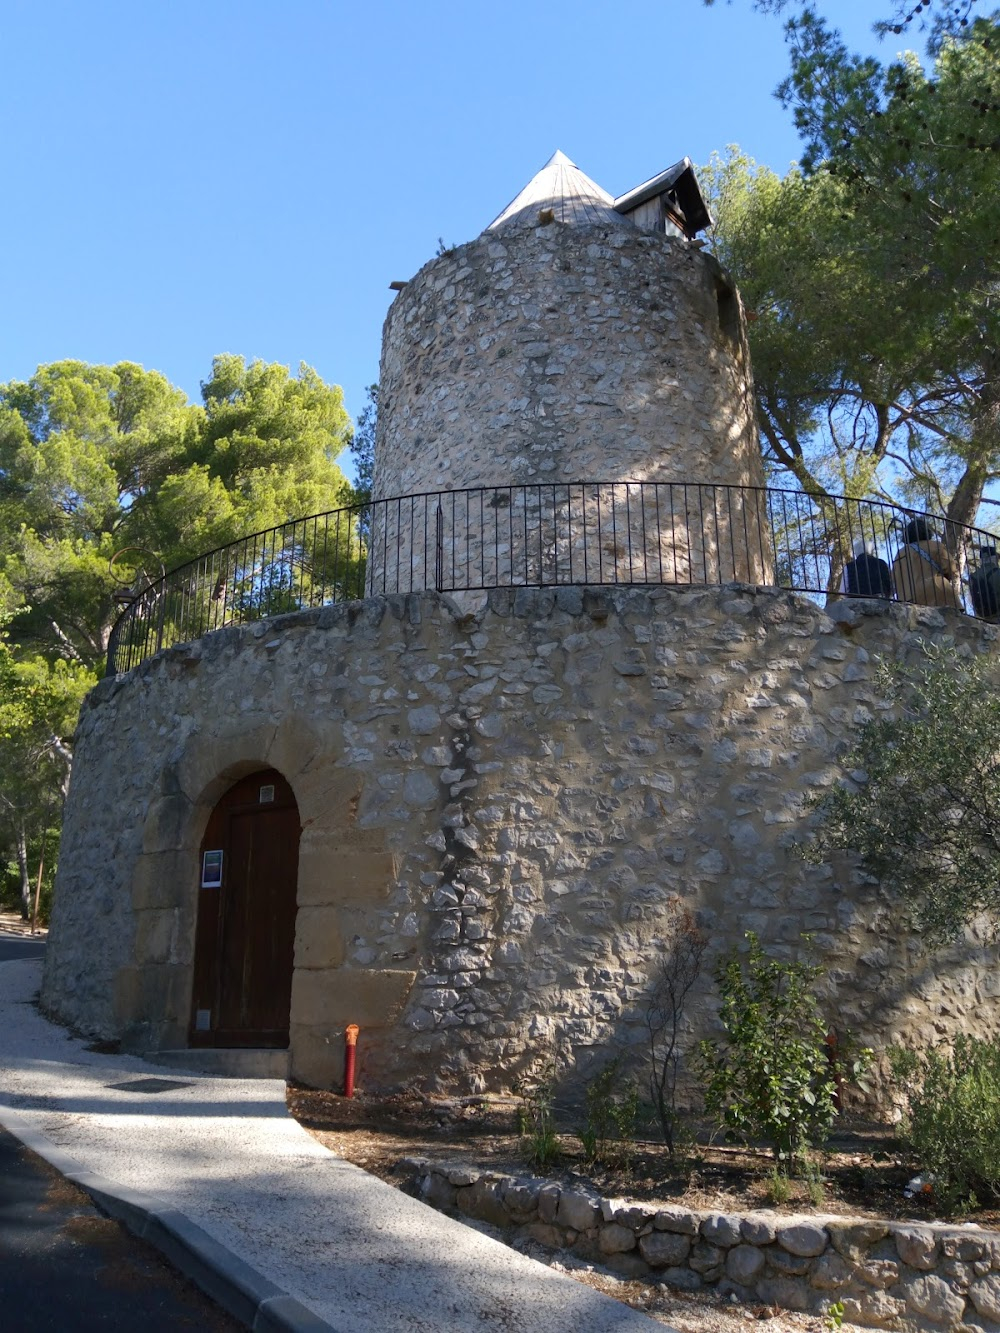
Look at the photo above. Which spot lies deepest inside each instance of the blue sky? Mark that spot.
(187, 177)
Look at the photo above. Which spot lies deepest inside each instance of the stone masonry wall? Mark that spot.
(559, 354)
(565, 353)
(894, 1275)
(501, 812)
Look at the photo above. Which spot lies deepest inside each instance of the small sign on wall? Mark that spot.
(211, 870)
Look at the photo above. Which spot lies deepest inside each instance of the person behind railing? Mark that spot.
(924, 570)
(984, 585)
(866, 575)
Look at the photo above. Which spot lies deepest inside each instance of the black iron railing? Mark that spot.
(544, 535)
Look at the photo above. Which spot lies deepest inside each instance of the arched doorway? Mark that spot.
(244, 946)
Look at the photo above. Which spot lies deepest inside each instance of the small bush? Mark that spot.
(772, 1078)
(612, 1109)
(535, 1116)
(815, 1183)
(952, 1120)
(779, 1188)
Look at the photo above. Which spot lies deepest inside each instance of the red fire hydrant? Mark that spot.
(350, 1048)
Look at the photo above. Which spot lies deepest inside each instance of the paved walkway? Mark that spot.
(65, 1266)
(283, 1232)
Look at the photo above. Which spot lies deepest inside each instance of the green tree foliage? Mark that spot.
(771, 1077)
(938, 18)
(96, 460)
(39, 703)
(363, 446)
(921, 807)
(872, 273)
(99, 462)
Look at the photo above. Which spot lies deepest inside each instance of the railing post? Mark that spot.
(439, 549)
(160, 618)
(113, 638)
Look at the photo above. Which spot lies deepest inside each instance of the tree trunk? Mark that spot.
(965, 502)
(38, 882)
(984, 448)
(22, 864)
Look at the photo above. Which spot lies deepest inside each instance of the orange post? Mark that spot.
(350, 1048)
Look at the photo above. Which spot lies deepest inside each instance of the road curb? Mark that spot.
(229, 1280)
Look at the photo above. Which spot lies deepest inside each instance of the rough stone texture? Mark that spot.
(829, 1272)
(519, 913)
(877, 1310)
(917, 1246)
(548, 1203)
(804, 1238)
(557, 354)
(853, 1240)
(744, 1263)
(985, 1296)
(577, 1211)
(792, 1293)
(664, 1249)
(706, 1259)
(615, 1239)
(932, 1296)
(879, 1272)
(676, 1219)
(877, 1291)
(491, 351)
(721, 1230)
(759, 1230)
(483, 1199)
(788, 1265)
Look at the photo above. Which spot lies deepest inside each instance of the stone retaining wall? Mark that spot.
(892, 1275)
(503, 809)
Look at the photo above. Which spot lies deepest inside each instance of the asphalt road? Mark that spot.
(64, 1265)
(17, 946)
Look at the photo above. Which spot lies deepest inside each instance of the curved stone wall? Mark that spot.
(501, 812)
(565, 353)
(558, 354)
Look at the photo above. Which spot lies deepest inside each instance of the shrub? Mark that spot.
(779, 1188)
(612, 1109)
(924, 819)
(536, 1117)
(952, 1121)
(772, 1076)
(676, 969)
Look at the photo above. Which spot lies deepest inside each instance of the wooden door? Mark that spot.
(247, 876)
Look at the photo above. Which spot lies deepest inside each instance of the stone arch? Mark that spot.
(153, 993)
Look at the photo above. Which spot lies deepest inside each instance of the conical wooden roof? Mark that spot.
(564, 189)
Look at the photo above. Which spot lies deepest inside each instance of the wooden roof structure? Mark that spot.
(571, 197)
(678, 188)
(564, 190)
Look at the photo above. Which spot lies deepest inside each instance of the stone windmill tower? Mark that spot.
(579, 339)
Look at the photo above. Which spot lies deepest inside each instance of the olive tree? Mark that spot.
(920, 799)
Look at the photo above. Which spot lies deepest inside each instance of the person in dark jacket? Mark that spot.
(984, 585)
(866, 575)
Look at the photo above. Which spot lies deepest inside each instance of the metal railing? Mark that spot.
(544, 535)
